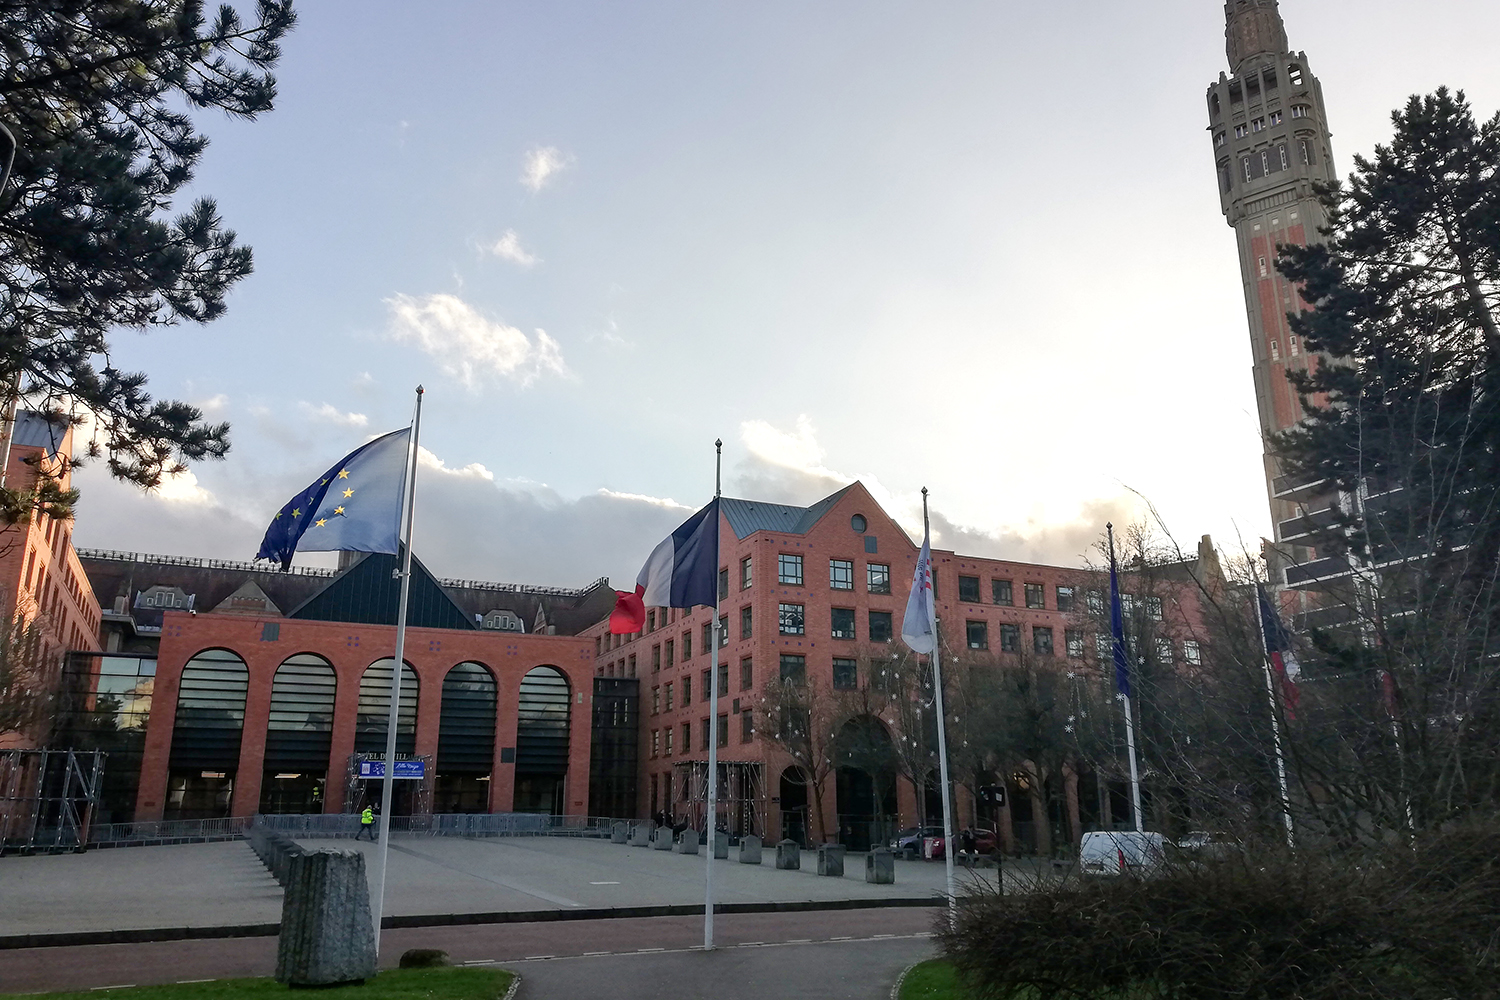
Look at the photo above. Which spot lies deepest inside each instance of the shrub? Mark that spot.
(1415, 922)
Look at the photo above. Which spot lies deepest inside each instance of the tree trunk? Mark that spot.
(1040, 819)
(1070, 798)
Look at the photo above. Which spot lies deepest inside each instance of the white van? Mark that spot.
(1121, 852)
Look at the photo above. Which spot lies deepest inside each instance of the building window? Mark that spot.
(669, 696)
(703, 680)
(745, 573)
(1192, 653)
(703, 735)
(845, 674)
(1153, 608)
(858, 524)
(656, 742)
(723, 631)
(687, 690)
(747, 726)
(1291, 345)
(1065, 598)
(1305, 148)
(650, 621)
(1275, 117)
(1240, 131)
(667, 740)
(1299, 110)
(723, 678)
(1256, 124)
(655, 659)
(789, 569)
(1164, 651)
(1262, 262)
(1104, 646)
(1265, 164)
(968, 589)
(1218, 139)
(841, 574)
(687, 736)
(1041, 640)
(791, 616)
(746, 621)
(747, 674)
(708, 636)
(1001, 591)
(977, 634)
(1245, 162)
(671, 649)
(793, 669)
(878, 578)
(632, 664)
(656, 701)
(1010, 638)
(880, 626)
(1073, 639)
(1275, 351)
(1035, 596)
(723, 730)
(723, 582)
(843, 623)
(1281, 152)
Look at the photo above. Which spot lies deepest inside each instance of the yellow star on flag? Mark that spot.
(344, 474)
(320, 522)
(338, 510)
(348, 493)
(296, 512)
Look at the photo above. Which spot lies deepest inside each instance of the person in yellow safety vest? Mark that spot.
(366, 824)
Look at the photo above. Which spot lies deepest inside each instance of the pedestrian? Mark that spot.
(366, 824)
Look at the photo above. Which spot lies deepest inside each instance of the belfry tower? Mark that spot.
(1271, 143)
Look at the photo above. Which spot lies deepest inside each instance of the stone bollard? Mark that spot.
(619, 833)
(788, 855)
(749, 849)
(880, 867)
(830, 859)
(326, 932)
(687, 843)
(661, 840)
(640, 835)
(721, 844)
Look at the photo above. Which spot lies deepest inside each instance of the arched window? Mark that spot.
(206, 734)
(375, 706)
(542, 737)
(466, 740)
(299, 735)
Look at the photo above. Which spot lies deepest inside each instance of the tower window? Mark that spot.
(1245, 162)
(1240, 131)
(1281, 151)
(1299, 110)
(1291, 345)
(1275, 351)
(1275, 117)
(1218, 139)
(1257, 124)
(1294, 75)
(1213, 104)
(1262, 267)
(1305, 148)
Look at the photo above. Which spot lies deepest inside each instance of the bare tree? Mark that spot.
(28, 676)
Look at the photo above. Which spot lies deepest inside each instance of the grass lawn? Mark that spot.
(395, 984)
(932, 980)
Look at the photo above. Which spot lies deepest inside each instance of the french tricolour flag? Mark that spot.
(682, 572)
(1279, 651)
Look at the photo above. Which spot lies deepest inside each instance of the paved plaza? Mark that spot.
(224, 884)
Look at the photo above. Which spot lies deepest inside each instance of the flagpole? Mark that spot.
(1135, 777)
(713, 730)
(377, 895)
(949, 844)
(1265, 662)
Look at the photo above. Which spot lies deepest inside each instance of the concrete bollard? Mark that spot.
(619, 833)
(788, 855)
(721, 844)
(750, 849)
(640, 835)
(661, 840)
(830, 859)
(687, 843)
(327, 935)
(880, 867)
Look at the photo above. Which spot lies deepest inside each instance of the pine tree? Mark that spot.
(93, 93)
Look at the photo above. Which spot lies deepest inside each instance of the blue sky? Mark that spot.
(972, 246)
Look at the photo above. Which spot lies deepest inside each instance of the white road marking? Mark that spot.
(537, 958)
(473, 961)
(604, 883)
(122, 986)
(642, 950)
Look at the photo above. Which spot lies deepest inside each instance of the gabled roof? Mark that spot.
(368, 592)
(747, 517)
(39, 430)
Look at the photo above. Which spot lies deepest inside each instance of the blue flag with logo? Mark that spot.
(353, 507)
(1117, 630)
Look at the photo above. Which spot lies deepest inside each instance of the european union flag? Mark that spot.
(353, 507)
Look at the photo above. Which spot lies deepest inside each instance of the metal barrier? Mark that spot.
(167, 831)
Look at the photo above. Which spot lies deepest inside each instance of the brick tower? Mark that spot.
(1271, 143)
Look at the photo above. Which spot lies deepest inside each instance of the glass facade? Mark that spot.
(299, 736)
(206, 735)
(105, 704)
(466, 740)
(375, 709)
(542, 735)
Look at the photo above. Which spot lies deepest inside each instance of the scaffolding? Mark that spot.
(47, 799)
(414, 795)
(742, 795)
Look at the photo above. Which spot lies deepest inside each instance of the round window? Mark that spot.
(857, 522)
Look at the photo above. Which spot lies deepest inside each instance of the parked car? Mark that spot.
(1206, 844)
(1121, 852)
(908, 843)
(985, 842)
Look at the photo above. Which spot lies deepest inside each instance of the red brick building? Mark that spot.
(818, 592)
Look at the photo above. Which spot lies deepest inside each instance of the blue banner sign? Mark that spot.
(404, 769)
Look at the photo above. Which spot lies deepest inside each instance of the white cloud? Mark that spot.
(214, 405)
(666, 502)
(183, 488)
(542, 163)
(468, 346)
(328, 413)
(474, 470)
(508, 247)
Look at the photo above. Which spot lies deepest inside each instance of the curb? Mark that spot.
(143, 935)
(901, 980)
(515, 985)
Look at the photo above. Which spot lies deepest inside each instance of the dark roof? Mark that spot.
(369, 592)
(747, 517)
(39, 430)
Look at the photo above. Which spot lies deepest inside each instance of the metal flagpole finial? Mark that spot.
(718, 462)
(420, 390)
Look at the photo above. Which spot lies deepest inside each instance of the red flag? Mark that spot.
(629, 614)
